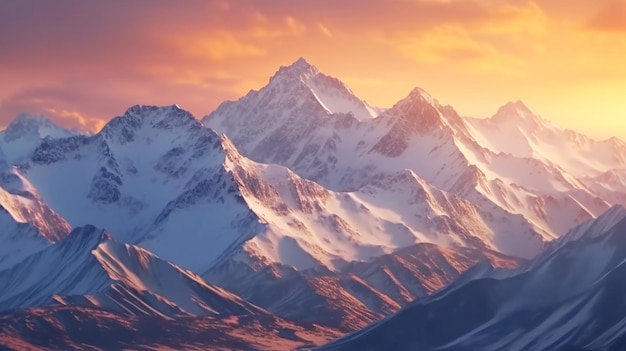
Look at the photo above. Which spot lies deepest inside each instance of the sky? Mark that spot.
(85, 62)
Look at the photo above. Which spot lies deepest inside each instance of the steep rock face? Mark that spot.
(521, 310)
(152, 176)
(296, 102)
(417, 134)
(272, 125)
(298, 120)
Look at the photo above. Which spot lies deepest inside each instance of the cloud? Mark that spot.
(611, 17)
(61, 102)
(102, 38)
(324, 30)
(90, 104)
(528, 19)
(453, 44)
(217, 47)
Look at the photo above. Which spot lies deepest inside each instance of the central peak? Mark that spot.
(300, 69)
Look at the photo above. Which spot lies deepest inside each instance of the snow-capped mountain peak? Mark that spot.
(300, 69)
(421, 94)
(332, 94)
(423, 113)
(159, 116)
(518, 112)
(33, 125)
(24, 134)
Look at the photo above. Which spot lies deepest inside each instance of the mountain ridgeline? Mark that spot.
(300, 213)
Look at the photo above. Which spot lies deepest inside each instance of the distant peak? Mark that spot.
(516, 110)
(33, 125)
(30, 122)
(417, 97)
(303, 65)
(29, 118)
(419, 93)
(301, 69)
(517, 105)
(140, 110)
(158, 112)
(160, 117)
(301, 61)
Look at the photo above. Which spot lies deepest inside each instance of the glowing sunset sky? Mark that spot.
(84, 62)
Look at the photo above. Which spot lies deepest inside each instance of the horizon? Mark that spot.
(82, 63)
(199, 117)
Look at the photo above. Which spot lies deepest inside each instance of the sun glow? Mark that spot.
(564, 59)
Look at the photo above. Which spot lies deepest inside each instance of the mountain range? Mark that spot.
(300, 213)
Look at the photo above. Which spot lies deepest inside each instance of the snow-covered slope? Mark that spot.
(295, 92)
(357, 294)
(332, 207)
(27, 223)
(158, 178)
(513, 162)
(66, 267)
(147, 285)
(24, 134)
(516, 130)
(330, 92)
(90, 268)
(18, 240)
(568, 300)
(20, 199)
(125, 290)
(154, 176)
(311, 226)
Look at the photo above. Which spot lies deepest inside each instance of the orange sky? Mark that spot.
(84, 62)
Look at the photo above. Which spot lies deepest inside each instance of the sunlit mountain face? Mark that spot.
(300, 216)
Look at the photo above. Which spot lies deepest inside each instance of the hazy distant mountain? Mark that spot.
(24, 134)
